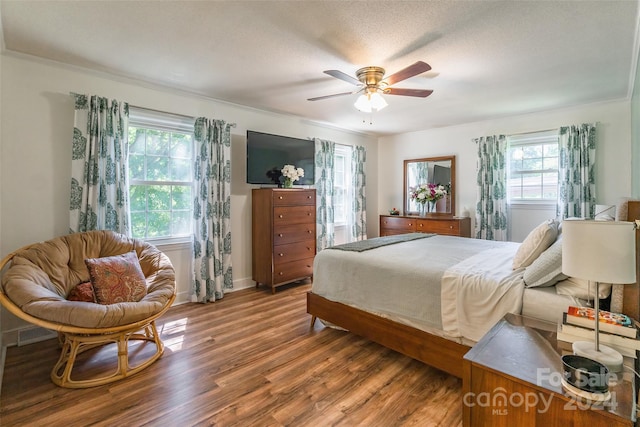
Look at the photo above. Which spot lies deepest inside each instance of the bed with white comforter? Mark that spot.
(454, 287)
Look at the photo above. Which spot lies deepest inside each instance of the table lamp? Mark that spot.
(602, 252)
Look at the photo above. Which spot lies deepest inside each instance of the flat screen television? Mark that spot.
(267, 154)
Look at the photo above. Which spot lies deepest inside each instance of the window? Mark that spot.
(341, 184)
(533, 167)
(160, 175)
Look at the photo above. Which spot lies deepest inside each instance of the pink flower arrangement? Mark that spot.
(427, 193)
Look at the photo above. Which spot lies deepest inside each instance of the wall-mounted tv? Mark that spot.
(267, 154)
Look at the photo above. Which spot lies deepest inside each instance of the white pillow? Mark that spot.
(547, 269)
(538, 240)
(580, 288)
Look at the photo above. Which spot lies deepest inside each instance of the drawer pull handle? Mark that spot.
(279, 216)
(309, 197)
(280, 235)
(309, 231)
(283, 255)
(281, 273)
(412, 224)
(451, 227)
(309, 214)
(280, 197)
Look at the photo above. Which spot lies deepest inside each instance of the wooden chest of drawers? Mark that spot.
(283, 235)
(394, 224)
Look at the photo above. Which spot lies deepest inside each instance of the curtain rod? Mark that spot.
(184, 116)
(533, 131)
(172, 114)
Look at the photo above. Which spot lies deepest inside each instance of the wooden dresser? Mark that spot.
(395, 224)
(283, 235)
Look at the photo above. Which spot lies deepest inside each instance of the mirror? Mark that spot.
(434, 170)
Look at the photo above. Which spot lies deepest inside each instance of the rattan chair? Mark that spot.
(37, 279)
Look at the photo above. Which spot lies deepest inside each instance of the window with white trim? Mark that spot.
(160, 175)
(341, 184)
(532, 168)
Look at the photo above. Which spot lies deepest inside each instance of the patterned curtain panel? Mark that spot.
(576, 171)
(99, 161)
(491, 205)
(422, 169)
(324, 171)
(358, 204)
(212, 272)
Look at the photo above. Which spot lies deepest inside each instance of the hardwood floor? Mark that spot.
(249, 360)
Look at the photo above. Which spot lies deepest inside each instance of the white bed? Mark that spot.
(433, 298)
(453, 287)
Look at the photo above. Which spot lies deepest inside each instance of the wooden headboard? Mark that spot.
(631, 294)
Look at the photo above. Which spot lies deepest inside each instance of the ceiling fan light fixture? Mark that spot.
(363, 104)
(377, 101)
(369, 102)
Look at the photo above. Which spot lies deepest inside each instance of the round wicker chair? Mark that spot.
(38, 278)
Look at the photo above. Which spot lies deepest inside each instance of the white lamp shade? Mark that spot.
(377, 101)
(370, 101)
(600, 251)
(363, 104)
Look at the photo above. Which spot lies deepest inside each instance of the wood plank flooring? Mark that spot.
(249, 359)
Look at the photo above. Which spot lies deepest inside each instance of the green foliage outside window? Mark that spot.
(160, 175)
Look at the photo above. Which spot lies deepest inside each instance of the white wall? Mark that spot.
(37, 119)
(613, 153)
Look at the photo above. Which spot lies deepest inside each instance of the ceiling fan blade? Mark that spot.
(343, 76)
(329, 96)
(412, 70)
(421, 93)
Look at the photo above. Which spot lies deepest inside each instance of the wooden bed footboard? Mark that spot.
(420, 345)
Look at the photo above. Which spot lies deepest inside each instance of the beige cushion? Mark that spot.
(42, 275)
(538, 240)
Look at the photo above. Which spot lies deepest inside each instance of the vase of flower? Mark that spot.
(290, 174)
(426, 196)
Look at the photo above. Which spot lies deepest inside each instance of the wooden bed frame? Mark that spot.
(431, 349)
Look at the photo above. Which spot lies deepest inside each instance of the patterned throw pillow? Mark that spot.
(117, 278)
(82, 292)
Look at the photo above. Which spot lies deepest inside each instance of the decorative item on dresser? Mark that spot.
(283, 235)
(396, 224)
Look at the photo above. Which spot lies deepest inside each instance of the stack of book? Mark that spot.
(617, 330)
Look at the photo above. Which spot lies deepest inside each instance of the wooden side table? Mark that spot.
(511, 377)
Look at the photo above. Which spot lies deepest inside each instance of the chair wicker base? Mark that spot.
(74, 344)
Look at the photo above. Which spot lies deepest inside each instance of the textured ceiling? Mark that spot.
(489, 59)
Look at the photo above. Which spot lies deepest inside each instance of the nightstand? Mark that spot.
(511, 377)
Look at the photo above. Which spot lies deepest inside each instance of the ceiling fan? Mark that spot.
(371, 81)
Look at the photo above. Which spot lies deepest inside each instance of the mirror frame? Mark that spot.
(405, 199)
